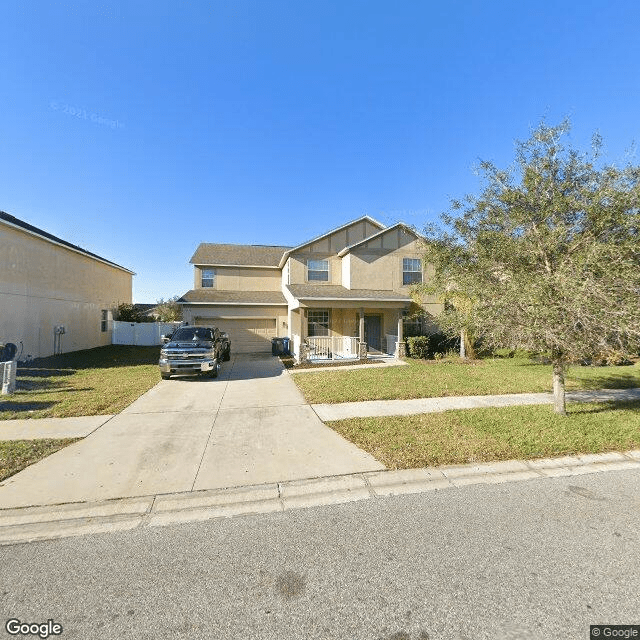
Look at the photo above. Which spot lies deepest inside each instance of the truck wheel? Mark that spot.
(214, 372)
(227, 355)
(165, 376)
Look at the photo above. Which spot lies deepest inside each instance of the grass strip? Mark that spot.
(15, 455)
(422, 379)
(505, 433)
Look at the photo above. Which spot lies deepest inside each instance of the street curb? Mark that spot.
(47, 522)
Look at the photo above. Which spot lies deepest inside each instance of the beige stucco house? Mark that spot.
(332, 295)
(55, 296)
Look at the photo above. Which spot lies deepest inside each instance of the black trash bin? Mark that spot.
(276, 346)
(285, 346)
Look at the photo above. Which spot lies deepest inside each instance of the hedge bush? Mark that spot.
(418, 347)
(426, 347)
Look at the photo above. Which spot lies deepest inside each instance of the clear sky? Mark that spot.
(139, 129)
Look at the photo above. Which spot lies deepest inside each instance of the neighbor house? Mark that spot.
(340, 295)
(55, 296)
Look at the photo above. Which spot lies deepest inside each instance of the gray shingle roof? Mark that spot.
(331, 291)
(213, 296)
(238, 255)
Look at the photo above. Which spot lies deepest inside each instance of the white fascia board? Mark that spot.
(292, 301)
(405, 300)
(234, 266)
(239, 304)
(67, 247)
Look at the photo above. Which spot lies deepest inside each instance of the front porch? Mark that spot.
(342, 334)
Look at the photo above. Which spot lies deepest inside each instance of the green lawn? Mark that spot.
(421, 379)
(83, 383)
(15, 455)
(505, 433)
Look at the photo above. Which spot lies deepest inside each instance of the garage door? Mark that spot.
(248, 335)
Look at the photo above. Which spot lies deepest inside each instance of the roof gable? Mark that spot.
(399, 233)
(339, 236)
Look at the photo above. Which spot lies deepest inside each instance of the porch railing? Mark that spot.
(332, 348)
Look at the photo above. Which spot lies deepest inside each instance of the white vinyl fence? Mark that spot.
(144, 334)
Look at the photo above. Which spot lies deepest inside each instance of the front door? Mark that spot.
(372, 332)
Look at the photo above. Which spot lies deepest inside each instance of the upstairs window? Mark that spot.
(318, 270)
(208, 277)
(318, 322)
(411, 271)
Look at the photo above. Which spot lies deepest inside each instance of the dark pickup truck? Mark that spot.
(198, 350)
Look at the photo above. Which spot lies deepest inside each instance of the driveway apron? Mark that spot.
(249, 426)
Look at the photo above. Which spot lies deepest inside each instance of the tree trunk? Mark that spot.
(466, 345)
(559, 403)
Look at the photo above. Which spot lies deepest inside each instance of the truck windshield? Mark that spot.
(192, 333)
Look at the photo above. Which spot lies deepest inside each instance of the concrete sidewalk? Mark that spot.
(373, 408)
(38, 428)
(82, 426)
(82, 518)
(249, 426)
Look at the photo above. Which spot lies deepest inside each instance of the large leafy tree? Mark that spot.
(547, 257)
(169, 310)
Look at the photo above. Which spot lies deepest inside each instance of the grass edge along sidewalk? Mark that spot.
(494, 434)
(16, 455)
(453, 377)
(103, 380)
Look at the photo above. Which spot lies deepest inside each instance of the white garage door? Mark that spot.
(248, 335)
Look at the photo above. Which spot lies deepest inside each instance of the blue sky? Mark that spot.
(139, 129)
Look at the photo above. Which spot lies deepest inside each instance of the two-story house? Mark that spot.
(332, 295)
(55, 297)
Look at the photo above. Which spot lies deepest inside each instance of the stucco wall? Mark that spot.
(298, 265)
(241, 279)
(43, 285)
(378, 263)
(326, 249)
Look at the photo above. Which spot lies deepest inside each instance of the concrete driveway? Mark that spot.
(249, 426)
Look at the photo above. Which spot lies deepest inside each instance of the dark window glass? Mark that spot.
(318, 322)
(318, 270)
(208, 277)
(411, 271)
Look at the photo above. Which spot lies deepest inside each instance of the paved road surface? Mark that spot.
(534, 560)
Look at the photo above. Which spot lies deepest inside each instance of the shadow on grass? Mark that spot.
(23, 372)
(40, 385)
(15, 406)
(617, 380)
(605, 407)
(107, 357)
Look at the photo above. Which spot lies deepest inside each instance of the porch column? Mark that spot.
(304, 352)
(362, 345)
(401, 346)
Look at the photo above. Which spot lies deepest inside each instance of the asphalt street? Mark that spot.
(539, 559)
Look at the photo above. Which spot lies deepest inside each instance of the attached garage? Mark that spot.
(248, 335)
(251, 318)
